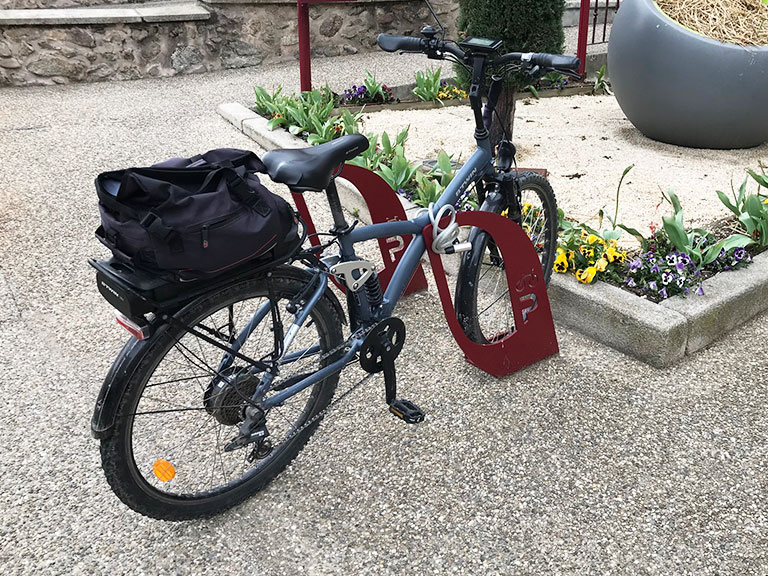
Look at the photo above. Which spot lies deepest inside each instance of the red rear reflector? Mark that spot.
(138, 332)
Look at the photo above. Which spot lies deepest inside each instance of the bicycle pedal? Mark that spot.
(407, 411)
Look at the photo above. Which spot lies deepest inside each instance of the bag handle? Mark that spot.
(236, 185)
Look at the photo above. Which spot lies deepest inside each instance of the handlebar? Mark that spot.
(542, 59)
(480, 53)
(437, 48)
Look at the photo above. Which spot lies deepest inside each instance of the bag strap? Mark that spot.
(236, 185)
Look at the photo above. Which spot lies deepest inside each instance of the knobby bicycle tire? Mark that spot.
(482, 296)
(131, 453)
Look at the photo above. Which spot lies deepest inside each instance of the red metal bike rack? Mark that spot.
(534, 336)
(305, 71)
(383, 206)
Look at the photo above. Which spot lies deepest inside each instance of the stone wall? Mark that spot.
(235, 36)
(26, 4)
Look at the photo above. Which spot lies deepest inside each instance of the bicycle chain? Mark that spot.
(338, 399)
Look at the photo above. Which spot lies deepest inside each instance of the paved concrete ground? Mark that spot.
(587, 463)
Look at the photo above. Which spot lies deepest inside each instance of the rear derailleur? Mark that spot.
(254, 431)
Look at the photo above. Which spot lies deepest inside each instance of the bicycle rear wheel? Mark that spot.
(166, 457)
(482, 296)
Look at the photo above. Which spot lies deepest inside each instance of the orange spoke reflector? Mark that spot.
(164, 470)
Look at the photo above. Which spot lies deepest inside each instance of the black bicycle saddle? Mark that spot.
(311, 168)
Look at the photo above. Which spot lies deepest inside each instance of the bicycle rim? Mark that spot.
(177, 421)
(482, 303)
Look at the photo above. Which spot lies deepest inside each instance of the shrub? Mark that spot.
(523, 26)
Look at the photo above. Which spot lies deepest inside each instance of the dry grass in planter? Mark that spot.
(743, 22)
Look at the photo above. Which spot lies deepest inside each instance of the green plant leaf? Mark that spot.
(759, 178)
(676, 234)
(636, 234)
(733, 241)
(748, 222)
(675, 202)
(754, 207)
(724, 199)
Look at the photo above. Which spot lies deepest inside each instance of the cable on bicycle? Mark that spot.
(444, 239)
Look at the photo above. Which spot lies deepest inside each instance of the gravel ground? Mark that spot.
(586, 463)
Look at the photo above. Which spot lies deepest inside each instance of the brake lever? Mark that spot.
(535, 72)
(569, 73)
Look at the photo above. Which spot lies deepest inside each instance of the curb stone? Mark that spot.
(658, 334)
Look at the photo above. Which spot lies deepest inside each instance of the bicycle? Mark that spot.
(216, 394)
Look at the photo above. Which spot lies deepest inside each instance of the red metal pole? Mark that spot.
(305, 71)
(581, 49)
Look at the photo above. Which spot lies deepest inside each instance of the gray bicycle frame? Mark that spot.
(475, 168)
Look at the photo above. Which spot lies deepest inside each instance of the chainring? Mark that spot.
(383, 344)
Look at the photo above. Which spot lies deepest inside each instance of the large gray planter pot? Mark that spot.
(682, 88)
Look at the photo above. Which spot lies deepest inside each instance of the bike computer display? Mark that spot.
(473, 44)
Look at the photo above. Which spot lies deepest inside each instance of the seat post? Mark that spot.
(339, 222)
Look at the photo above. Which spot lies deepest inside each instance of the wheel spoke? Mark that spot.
(169, 420)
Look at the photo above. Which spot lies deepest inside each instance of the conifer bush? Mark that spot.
(523, 26)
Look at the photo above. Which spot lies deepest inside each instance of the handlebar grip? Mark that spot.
(555, 61)
(392, 43)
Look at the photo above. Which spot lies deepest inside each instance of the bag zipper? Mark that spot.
(205, 228)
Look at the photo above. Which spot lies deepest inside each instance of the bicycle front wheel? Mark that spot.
(166, 457)
(482, 299)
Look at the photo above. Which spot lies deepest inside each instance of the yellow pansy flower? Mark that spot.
(592, 238)
(586, 276)
(561, 263)
(601, 265)
(614, 255)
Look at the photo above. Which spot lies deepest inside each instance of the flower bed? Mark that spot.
(673, 260)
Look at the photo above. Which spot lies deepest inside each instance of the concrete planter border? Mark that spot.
(658, 334)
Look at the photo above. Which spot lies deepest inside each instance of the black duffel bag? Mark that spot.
(194, 217)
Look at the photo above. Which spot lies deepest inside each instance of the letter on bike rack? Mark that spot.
(534, 336)
(383, 206)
